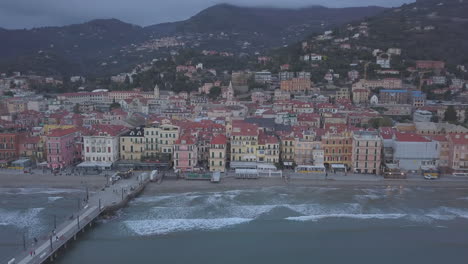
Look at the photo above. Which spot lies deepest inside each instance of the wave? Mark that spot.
(368, 196)
(356, 216)
(22, 219)
(166, 226)
(28, 191)
(54, 198)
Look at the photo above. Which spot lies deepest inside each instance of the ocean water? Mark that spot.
(280, 225)
(30, 212)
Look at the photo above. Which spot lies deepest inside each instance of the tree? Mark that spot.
(450, 114)
(215, 92)
(381, 122)
(114, 105)
(8, 93)
(76, 109)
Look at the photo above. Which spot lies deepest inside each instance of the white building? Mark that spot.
(422, 116)
(263, 77)
(383, 60)
(102, 144)
(414, 152)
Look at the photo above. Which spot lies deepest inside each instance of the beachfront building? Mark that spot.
(132, 145)
(458, 152)
(159, 140)
(287, 141)
(101, 145)
(244, 142)
(8, 148)
(31, 147)
(367, 152)
(268, 150)
(217, 155)
(305, 145)
(185, 154)
(167, 136)
(337, 147)
(415, 152)
(62, 148)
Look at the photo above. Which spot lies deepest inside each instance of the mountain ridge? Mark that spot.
(262, 27)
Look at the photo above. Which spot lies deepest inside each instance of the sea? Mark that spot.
(268, 225)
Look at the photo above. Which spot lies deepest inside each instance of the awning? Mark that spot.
(338, 166)
(94, 164)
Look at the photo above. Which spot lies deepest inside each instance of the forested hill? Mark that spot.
(426, 29)
(82, 48)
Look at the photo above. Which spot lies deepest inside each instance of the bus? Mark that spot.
(310, 169)
(430, 174)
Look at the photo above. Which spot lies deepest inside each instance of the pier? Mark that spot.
(111, 198)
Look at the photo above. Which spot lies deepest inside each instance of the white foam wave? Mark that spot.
(368, 196)
(165, 226)
(441, 217)
(54, 198)
(152, 199)
(22, 219)
(356, 216)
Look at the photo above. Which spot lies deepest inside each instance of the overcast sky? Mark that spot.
(37, 13)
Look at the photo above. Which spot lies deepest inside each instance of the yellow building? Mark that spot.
(360, 96)
(132, 145)
(342, 93)
(15, 105)
(217, 156)
(287, 149)
(48, 128)
(268, 149)
(338, 148)
(160, 139)
(244, 142)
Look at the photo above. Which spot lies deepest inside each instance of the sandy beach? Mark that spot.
(50, 181)
(171, 185)
(180, 186)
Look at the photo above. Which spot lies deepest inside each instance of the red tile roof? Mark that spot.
(459, 139)
(59, 132)
(187, 138)
(410, 137)
(267, 139)
(387, 132)
(219, 140)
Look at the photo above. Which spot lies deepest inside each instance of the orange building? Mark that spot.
(296, 85)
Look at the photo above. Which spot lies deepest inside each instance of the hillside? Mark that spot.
(82, 48)
(424, 30)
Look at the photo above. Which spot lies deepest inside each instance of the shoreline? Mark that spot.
(227, 184)
(171, 185)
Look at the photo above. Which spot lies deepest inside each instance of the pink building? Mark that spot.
(458, 152)
(62, 148)
(367, 152)
(185, 154)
